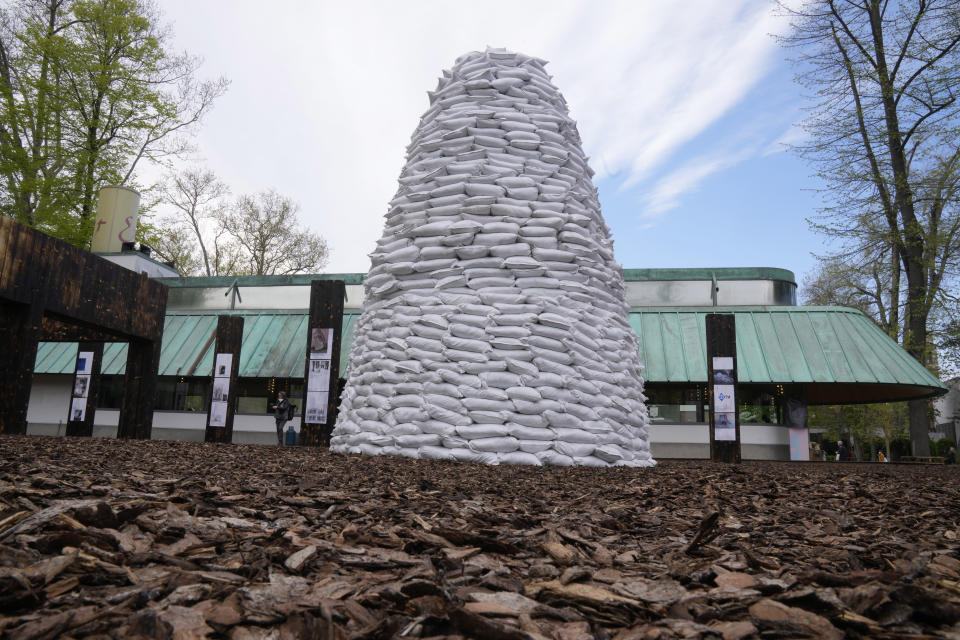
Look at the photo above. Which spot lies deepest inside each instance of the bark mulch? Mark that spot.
(103, 538)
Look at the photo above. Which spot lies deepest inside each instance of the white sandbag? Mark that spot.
(444, 401)
(574, 449)
(489, 417)
(521, 367)
(520, 457)
(590, 461)
(496, 445)
(500, 380)
(483, 404)
(482, 431)
(535, 446)
(554, 458)
(437, 453)
(527, 394)
(530, 433)
(419, 440)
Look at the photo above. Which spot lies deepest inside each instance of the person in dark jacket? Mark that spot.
(281, 413)
(951, 457)
(843, 454)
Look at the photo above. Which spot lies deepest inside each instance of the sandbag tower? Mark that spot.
(495, 327)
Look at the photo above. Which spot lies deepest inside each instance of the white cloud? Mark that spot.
(666, 191)
(325, 95)
(793, 136)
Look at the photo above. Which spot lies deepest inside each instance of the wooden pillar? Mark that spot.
(86, 384)
(140, 390)
(226, 367)
(19, 333)
(322, 362)
(721, 385)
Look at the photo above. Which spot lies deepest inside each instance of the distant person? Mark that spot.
(881, 457)
(951, 457)
(281, 413)
(843, 454)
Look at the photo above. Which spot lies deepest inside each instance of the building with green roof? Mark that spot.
(820, 355)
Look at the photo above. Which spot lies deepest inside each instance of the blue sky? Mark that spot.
(681, 111)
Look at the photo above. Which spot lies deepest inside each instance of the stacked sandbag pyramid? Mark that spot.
(495, 328)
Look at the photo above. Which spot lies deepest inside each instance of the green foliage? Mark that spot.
(867, 427)
(941, 447)
(88, 89)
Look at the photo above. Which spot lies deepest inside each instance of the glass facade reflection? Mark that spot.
(684, 404)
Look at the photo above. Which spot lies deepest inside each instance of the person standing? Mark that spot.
(951, 457)
(281, 413)
(843, 454)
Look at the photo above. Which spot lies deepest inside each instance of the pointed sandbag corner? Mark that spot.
(495, 327)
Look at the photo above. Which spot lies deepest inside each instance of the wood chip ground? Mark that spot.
(104, 538)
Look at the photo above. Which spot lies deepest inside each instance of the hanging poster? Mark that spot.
(799, 443)
(221, 389)
(725, 426)
(218, 414)
(223, 365)
(321, 341)
(81, 386)
(78, 409)
(319, 376)
(85, 362)
(723, 400)
(316, 411)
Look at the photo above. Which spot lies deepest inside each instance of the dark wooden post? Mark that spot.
(86, 384)
(140, 390)
(19, 333)
(326, 324)
(223, 391)
(721, 383)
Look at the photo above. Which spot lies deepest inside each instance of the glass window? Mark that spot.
(674, 403)
(760, 404)
(254, 395)
(110, 394)
(182, 394)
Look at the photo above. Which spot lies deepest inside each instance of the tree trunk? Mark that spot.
(919, 428)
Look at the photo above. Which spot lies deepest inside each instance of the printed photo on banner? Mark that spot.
(221, 389)
(223, 365)
(218, 414)
(723, 376)
(319, 378)
(85, 362)
(321, 341)
(81, 386)
(723, 400)
(723, 370)
(316, 410)
(78, 409)
(725, 427)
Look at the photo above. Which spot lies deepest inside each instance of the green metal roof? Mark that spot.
(261, 281)
(837, 354)
(726, 273)
(630, 275)
(273, 346)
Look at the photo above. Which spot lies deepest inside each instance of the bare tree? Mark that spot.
(197, 196)
(884, 136)
(272, 241)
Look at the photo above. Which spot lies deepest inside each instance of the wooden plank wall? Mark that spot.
(229, 340)
(41, 276)
(326, 311)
